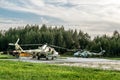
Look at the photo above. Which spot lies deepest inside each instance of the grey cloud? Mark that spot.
(91, 15)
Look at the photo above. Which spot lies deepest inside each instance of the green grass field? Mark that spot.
(10, 70)
(112, 58)
(6, 56)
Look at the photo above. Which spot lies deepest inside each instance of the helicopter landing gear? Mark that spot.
(50, 58)
(46, 58)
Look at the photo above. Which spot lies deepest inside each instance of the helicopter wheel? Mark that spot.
(46, 58)
(52, 58)
(38, 57)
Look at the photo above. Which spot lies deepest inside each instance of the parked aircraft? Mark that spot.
(44, 51)
(86, 54)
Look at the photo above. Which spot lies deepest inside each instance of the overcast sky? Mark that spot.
(95, 17)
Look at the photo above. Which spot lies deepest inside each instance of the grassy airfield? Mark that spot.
(6, 56)
(10, 70)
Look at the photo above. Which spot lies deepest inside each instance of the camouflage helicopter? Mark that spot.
(44, 51)
(86, 54)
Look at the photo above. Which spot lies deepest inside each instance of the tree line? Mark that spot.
(58, 36)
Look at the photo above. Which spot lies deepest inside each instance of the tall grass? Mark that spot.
(10, 70)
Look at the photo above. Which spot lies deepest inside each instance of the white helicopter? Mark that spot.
(44, 51)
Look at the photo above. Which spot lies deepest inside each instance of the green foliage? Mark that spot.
(71, 39)
(110, 44)
(34, 34)
(32, 71)
(6, 57)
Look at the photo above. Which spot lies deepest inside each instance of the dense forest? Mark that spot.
(58, 36)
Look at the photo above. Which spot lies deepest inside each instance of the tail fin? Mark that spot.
(102, 51)
(17, 46)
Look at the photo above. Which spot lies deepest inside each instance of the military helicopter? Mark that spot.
(44, 51)
(86, 54)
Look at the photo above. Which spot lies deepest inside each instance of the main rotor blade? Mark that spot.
(31, 44)
(50, 46)
(64, 48)
(57, 47)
